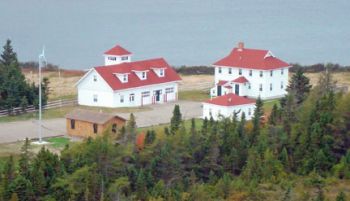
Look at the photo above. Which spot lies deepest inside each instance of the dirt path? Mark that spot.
(159, 114)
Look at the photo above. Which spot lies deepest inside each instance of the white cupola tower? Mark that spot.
(117, 55)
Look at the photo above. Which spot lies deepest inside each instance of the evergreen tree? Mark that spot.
(23, 188)
(341, 196)
(176, 119)
(8, 56)
(131, 128)
(273, 118)
(24, 168)
(299, 86)
(258, 113)
(9, 176)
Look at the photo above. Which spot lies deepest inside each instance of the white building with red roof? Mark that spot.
(251, 73)
(227, 105)
(125, 83)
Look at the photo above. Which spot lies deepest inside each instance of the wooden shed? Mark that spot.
(85, 123)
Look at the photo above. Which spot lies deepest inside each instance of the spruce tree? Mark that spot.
(131, 128)
(175, 119)
(341, 196)
(299, 86)
(24, 168)
(258, 113)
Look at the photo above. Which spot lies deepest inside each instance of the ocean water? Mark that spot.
(184, 32)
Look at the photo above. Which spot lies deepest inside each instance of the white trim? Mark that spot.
(216, 66)
(145, 86)
(229, 105)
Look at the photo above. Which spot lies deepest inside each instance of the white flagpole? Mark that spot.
(41, 61)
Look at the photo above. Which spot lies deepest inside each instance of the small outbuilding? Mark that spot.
(227, 105)
(85, 123)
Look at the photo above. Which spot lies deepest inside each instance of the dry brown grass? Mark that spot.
(65, 86)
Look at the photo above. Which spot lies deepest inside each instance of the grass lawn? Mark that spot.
(160, 128)
(194, 95)
(58, 142)
(268, 104)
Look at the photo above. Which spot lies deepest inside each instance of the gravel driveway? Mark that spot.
(160, 114)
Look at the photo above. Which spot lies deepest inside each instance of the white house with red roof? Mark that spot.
(125, 83)
(227, 105)
(251, 73)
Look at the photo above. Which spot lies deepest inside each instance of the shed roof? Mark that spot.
(91, 116)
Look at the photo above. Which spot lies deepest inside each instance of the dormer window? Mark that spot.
(143, 75)
(124, 58)
(125, 77)
(95, 78)
(161, 73)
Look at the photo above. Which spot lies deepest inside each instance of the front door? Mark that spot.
(237, 89)
(219, 91)
(157, 95)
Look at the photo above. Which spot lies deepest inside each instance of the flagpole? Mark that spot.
(41, 60)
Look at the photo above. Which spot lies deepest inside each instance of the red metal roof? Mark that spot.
(230, 99)
(221, 82)
(241, 79)
(251, 59)
(117, 50)
(107, 73)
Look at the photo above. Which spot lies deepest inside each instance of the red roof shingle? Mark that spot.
(117, 50)
(107, 73)
(230, 99)
(241, 79)
(252, 59)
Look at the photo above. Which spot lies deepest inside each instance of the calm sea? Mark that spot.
(185, 32)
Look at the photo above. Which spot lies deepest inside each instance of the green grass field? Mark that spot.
(194, 95)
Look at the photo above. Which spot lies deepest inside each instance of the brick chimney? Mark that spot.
(240, 46)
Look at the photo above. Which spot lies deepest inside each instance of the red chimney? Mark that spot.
(240, 46)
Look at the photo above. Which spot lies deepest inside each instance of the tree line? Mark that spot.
(15, 91)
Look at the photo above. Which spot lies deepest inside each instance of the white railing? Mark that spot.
(31, 108)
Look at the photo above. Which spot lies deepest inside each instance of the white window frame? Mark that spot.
(240, 71)
(270, 86)
(282, 85)
(145, 94)
(95, 98)
(131, 97)
(161, 72)
(282, 71)
(143, 75)
(250, 73)
(261, 73)
(169, 90)
(125, 78)
(112, 58)
(220, 70)
(124, 58)
(260, 87)
(271, 73)
(95, 78)
(249, 111)
(122, 98)
(229, 70)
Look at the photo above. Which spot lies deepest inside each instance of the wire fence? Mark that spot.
(31, 108)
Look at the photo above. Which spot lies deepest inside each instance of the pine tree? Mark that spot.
(299, 86)
(9, 176)
(131, 128)
(24, 168)
(273, 118)
(258, 113)
(341, 196)
(8, 56)
(175, 119)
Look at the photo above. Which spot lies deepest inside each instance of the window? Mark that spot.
(95, 98)
(240, 71)
(132, 97)
(72, 124)
(249, 111)
(145, 94)
(95, 128)
(169, 90)
(270, 86)
(114, 128)
(125, 58)
(260, 87)
(282, 85)
(282, 71)
(125, 78)
(122, 98)
(143, 75)
(271, 73)
(229, 70)
(161, 72)
(261, 73)
(250, 72)
(220, 70)
(112, 58)
(249, 86)
(95, 78)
